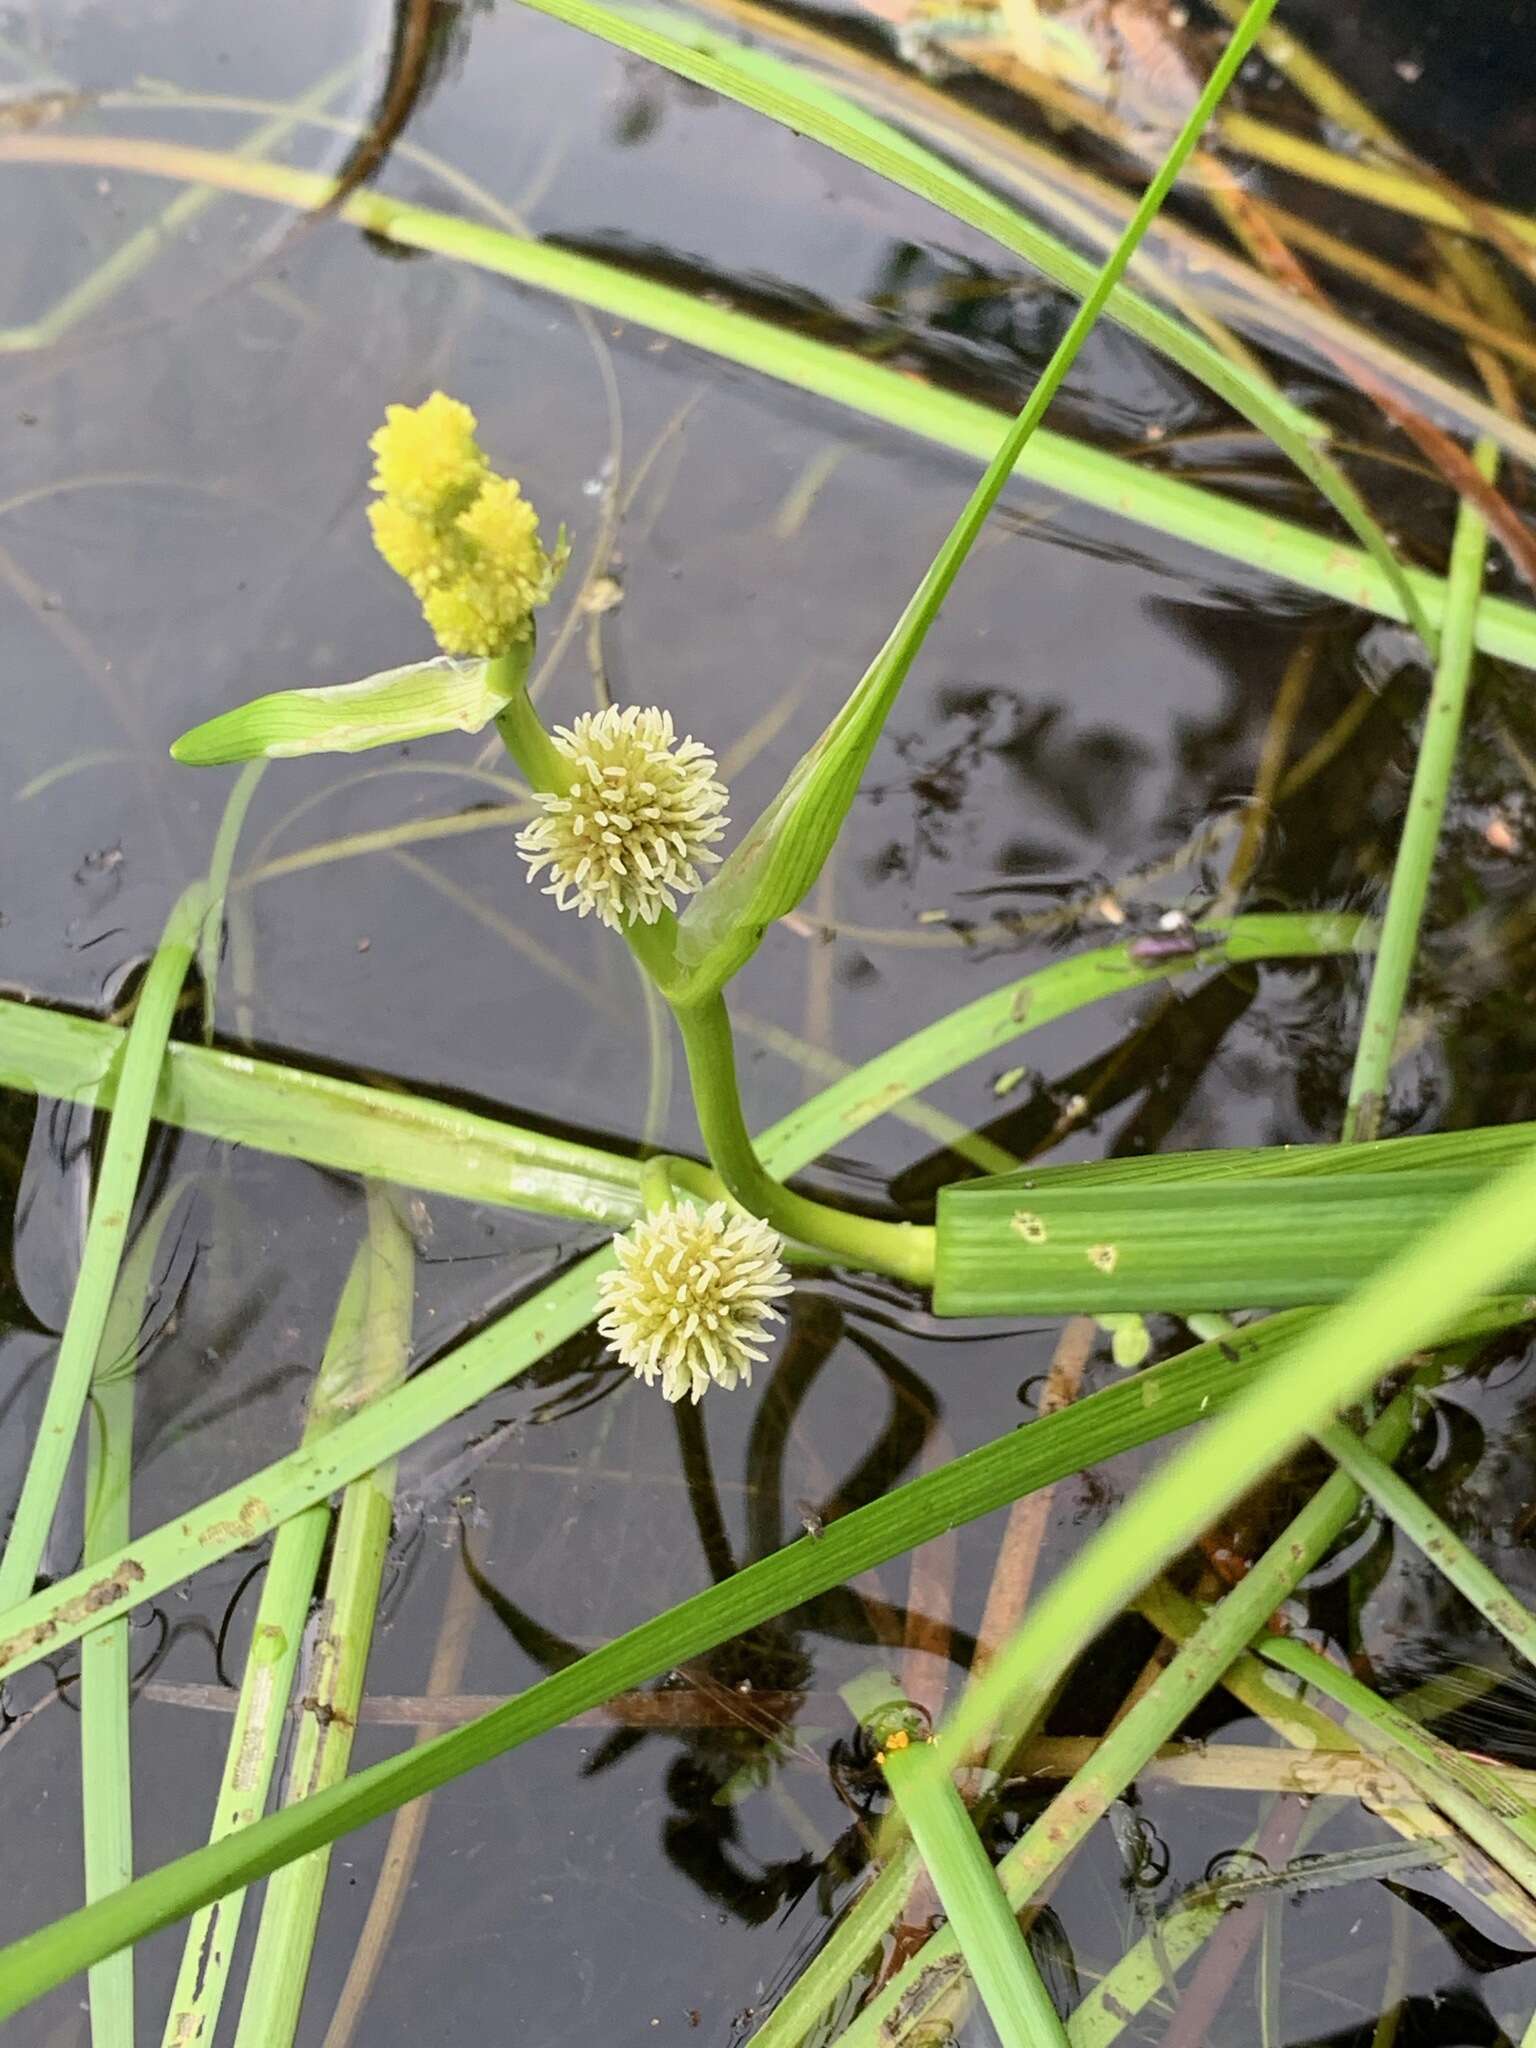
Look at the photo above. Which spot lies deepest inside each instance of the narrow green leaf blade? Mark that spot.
(1170, 1396)
(398, 704)
(786, 848)
(981, 1918)
(386, 1134)
(1484, 1148)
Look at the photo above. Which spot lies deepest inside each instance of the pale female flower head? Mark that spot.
(465, 539)
(635, 815)
(692, 1295)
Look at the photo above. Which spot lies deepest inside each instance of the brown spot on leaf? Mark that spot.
(100, 1594)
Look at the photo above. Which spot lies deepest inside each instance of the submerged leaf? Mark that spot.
(398, 704)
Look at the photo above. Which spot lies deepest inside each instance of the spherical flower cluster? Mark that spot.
(692, 1295)
(635, 815)
(465, 539)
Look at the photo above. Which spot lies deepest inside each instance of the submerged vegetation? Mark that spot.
(1322, 1294)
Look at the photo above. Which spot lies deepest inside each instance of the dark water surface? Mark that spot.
(181, 525)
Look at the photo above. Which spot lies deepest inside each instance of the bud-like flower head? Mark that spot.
(625, 833)
(692, 1295)
(465, 539)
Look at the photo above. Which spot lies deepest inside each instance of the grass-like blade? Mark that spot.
(1197, 1384)
(1125, 490)
(1473, 1579)
(380, 1133)
(1423, 815)
(980, 1917)
(261, 1710)
(105, 1240)
(338, 1649)
(1006, 1014)
(903, 162)
(106, 1774)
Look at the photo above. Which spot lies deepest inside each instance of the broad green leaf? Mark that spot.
(1018, 1245)
(1473, 1248)
(410, 703)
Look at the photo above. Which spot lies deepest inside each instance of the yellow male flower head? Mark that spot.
(692, 1295)
(635, 814)
(426, 457)
(464, 539)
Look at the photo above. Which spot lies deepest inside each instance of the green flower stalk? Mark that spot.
(692, 1296)
(464, 539)
(633, 815)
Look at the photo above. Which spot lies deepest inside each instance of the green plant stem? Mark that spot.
(105, 1240)
(1421, 825)
(521, 729)
(105, 1751)
(984, 1928)
(267, 1680)
(1422, 1526)
(1162, 1708)
(902, 1249)
(290, 1914)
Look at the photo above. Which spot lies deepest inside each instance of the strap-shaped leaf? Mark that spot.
(399, 704)
(1006, 1248)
